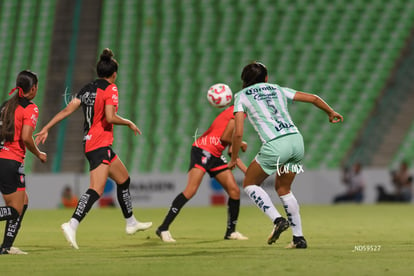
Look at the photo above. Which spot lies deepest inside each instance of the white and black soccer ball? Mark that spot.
(219, 95)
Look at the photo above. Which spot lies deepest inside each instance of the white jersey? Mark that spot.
(266, 107)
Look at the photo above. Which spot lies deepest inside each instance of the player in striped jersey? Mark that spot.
(282, 151)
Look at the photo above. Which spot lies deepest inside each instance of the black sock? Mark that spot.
(233, 207)
(175, 208)
(8, 212)
(124, 198)
(85, 204)
(12, 228)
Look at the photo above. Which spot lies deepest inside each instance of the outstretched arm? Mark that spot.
(334, 117)
(113, 118)
(69, 109)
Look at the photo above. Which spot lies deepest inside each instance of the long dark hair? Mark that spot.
(253, 73)
(24, 82)
(107, 65)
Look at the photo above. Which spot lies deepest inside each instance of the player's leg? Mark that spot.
(98, 178)
(11, 213)
(226, 179)
(283, 188)
(255, 175)
(195, 176)
(12, 229)
(119, 173)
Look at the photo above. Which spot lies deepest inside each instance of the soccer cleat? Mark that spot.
(281, 225)
(139, 226)
(69, 234)
(298, 242)
(236, 236)
(165, 236)
(12, 251)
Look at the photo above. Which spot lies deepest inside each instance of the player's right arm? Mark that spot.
(69, 109)
(227, 137)
(334, 117)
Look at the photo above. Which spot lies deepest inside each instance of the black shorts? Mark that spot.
(101, 155)
(11, 176)
(207, 162)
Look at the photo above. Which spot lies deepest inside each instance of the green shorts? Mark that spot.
(282, 154)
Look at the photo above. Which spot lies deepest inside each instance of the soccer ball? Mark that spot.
(219, 95)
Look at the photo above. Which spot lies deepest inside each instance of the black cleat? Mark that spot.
(281, 224)
(298, 242)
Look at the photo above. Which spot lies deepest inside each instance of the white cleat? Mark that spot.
(15, 251)
(139, 226)
(165, 236)
(237, 236)
(69, 234)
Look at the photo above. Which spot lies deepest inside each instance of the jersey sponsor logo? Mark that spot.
(88, 98)
(267, 92)
(34, 119)
(282, 125)
(115, 98)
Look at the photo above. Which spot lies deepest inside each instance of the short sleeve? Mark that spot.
(289, 92)
(31, 114)
(238, 105)
(111, 95)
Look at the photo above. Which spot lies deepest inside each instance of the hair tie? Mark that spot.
(21, 93)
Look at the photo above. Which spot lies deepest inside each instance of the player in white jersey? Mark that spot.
(282, 151)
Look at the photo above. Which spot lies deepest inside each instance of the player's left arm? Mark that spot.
(113, 118)
(334, 117)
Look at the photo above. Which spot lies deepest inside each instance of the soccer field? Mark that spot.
(342, 240)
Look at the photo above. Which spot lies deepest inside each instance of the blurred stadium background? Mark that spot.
(358, 55)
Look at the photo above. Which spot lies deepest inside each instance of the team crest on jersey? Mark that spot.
(36, 110)
(203, 160)
(114, 88)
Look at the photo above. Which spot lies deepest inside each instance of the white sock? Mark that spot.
(292, 211)
(131, 220)
(263, 201)
(74, 223)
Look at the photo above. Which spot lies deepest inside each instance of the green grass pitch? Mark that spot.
(342, 239)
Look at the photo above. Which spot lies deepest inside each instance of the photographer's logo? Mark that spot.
(286, 168)
(200, 140)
